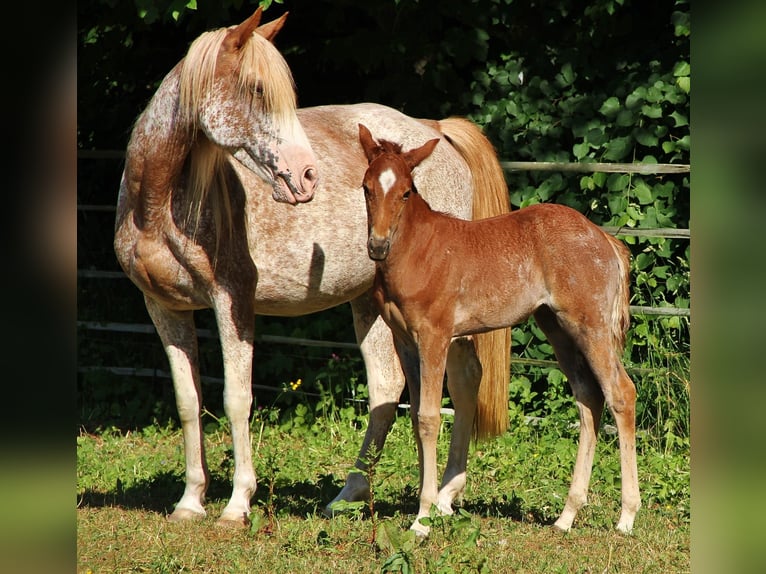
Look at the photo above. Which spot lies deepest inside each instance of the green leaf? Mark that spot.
(618, 148)
(679, 119)
(580, 150)
(682, 69)
(635, 98)
(625, 118)
(617, 181)
(643, 193)
(610, 107)
(617, 205)
(566, 76)
(684, 82)
(644, 260)
(654, 112)
(645, 138)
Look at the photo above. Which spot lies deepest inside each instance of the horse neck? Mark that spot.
(157, 150)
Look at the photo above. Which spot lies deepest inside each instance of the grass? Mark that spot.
(128, 481)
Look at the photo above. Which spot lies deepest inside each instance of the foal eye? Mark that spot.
(366, 190)
(406, 195)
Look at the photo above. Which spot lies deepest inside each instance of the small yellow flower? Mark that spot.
(294, 386)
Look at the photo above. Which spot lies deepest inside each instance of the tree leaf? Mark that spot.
(610, 107)
(618, 148)
(643, 193)
(679, 119)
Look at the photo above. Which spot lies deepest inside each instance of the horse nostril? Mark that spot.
(311, 177)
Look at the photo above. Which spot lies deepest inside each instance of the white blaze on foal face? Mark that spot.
(387, 180)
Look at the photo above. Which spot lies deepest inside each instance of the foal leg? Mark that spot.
(385, 382)
(463, 378)
(622, 404)
(590, 405)
(236, 325)
(595, 371)
(433, 356)
(179, 338)
(620, 395)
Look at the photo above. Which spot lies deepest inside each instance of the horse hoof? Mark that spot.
(561, 527)
(421, 531)
(185, 515)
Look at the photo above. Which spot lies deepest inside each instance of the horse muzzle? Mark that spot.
(378, 247)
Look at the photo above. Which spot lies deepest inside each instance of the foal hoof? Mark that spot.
(185, 515)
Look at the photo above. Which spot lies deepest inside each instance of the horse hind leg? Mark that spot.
(179, 338)
(619, 392)
(590, 406)
(464, 373)
(597, 375)
(385, 383)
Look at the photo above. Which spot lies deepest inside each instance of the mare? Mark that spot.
(438, 277)
(195, 229)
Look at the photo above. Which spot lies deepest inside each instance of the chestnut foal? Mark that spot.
(438, 277)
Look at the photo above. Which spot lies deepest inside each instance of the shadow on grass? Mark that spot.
(300, 499)
(164, 489)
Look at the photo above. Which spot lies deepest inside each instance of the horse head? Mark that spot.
(388, 186)
(238, 90)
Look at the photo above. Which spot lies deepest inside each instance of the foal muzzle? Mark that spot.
(377, 248)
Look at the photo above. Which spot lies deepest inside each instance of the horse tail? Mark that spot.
(490, 198)
(621, 302)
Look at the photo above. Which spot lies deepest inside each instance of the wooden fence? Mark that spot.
(582, 167)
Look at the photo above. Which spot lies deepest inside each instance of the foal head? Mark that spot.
(238, 90)
(387, 185)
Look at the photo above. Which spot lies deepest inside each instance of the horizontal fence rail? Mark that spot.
(593, 167)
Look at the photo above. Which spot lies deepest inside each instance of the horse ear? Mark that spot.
(238, 36)
(271, 29)
(415, 156)
(369, 145)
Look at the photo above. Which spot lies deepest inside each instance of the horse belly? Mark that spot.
(304, 286)
(480, 311)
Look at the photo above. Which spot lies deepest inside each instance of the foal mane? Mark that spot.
(261, 68)
(385, 146)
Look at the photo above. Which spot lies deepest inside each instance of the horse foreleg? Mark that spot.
(463, 377)
(179, 338)
(236, 334)
(433, 356)
(385, 383)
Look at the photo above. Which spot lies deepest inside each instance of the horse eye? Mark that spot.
(259, 88)
(366, 190)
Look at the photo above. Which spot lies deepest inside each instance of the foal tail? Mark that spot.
(621, 303)
(490, 198)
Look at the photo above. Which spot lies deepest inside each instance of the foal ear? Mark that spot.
(238, 36)
(271, 29)
(415, 156)
(370, 147)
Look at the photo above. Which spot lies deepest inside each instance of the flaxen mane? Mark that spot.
(264, 79)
